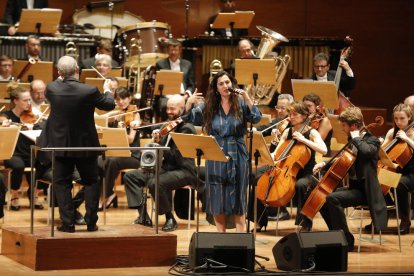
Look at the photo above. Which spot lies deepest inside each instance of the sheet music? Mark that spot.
(31, 134)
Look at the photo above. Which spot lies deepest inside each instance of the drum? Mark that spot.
(146, 33)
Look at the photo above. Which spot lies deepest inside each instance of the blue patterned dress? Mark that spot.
(226, 182)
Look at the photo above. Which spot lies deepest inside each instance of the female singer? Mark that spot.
(20, 99)
(114, 164)
(224, 115)
(313, 140)
(402, 118)
(315, 105)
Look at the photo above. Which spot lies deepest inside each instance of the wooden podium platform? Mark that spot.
(109, 247)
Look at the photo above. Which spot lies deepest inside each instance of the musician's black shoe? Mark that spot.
(66, 228)
(170, 225)
(283, 215)
(92, 228)
(405, 226)
(140, 220)
(79, 219)
(368, 228)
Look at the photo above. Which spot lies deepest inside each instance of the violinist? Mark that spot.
(402, 114)
(363, 187)
(176, 171)
(21, 101)
(322, 123)
(113, 165)
(298, 113)
(322, 72)
(225, 116)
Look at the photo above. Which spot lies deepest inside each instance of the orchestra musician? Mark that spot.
(71, 124)
(298, 113)
(176, 171)
(176, 63)
(33, 48)
(3, 191)
(113, 165)
(403, 116)
(224, 115)
(103, 64)
(364, 187)
(245, 48)
(104, 47)
(14, 9)
(37, 94)
(410, 102)
(324, 127)
(322, 72)
(20, 114)
(6, 68)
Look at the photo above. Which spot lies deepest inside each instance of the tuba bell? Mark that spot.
(71, 50)
(264, 93)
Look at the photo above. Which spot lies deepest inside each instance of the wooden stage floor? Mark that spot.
(373, 257)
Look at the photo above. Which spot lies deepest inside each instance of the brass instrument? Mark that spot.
(215, 67)
(71, 50)
(133, 73)
(147, 92)
(263, 94)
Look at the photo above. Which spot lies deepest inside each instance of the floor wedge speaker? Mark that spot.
(327, 251)
(235, 250)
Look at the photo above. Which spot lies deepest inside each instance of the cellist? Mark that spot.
(363, 187)
(298, 113)
(402, 114)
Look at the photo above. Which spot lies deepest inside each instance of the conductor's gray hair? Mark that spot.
(67, 66)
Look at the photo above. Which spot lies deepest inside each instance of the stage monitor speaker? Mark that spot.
(328, 251)
(235, 250)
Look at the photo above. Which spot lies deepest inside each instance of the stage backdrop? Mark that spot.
(382, 59)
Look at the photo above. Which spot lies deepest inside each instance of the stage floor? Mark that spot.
(373, 257)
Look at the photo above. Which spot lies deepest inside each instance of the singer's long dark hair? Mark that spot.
(213, 101)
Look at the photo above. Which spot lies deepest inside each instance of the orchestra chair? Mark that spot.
(7, 172)
(389, 179)
(190, 194)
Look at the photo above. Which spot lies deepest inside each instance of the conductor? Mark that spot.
(71, 124)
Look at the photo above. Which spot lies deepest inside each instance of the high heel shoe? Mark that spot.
(112, 200)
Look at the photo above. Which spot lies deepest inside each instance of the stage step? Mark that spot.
(110, 247)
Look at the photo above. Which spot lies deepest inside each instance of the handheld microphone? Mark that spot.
(234, 91)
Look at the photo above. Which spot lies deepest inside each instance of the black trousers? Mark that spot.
(168, 181)
(405, 186)
(333, 210)
(17, 164)
(3, 190)
(88, 170)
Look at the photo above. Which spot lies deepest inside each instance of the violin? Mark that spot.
(129, 114)
(28, 117)
(339, 167)
(276, 187)
(319, 116)
(170, 126)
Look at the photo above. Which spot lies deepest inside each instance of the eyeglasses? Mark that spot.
(320, 66)
(6, 65)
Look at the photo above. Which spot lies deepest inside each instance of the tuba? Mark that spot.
(263, 94)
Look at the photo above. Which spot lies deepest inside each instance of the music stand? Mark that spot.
(326, 90)
(233, 20)
(195, 146)
(40, 21)
(168, 82)
(101, 120)
(338, 133)
(99, 82)
(41, 70)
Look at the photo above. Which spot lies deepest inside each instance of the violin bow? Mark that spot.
(96, 70)
(41, 115)
(133, 111)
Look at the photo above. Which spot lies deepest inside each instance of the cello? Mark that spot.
(339, 166)
(276, 187)
(345, 53)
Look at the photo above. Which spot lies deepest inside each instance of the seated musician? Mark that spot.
(14, 9)
(3, 191)
(298, 113)
(103, 63)
(37, 94)
(6, 68)
(324, 127)
(403, 116)
(322, 72)
(104, 47)
(176, 171)
(363, 187)
(245, 48)
(33, 48)
(112, 165)
(20, 114)
(226, 7)
(410, 102)
(176, 63)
